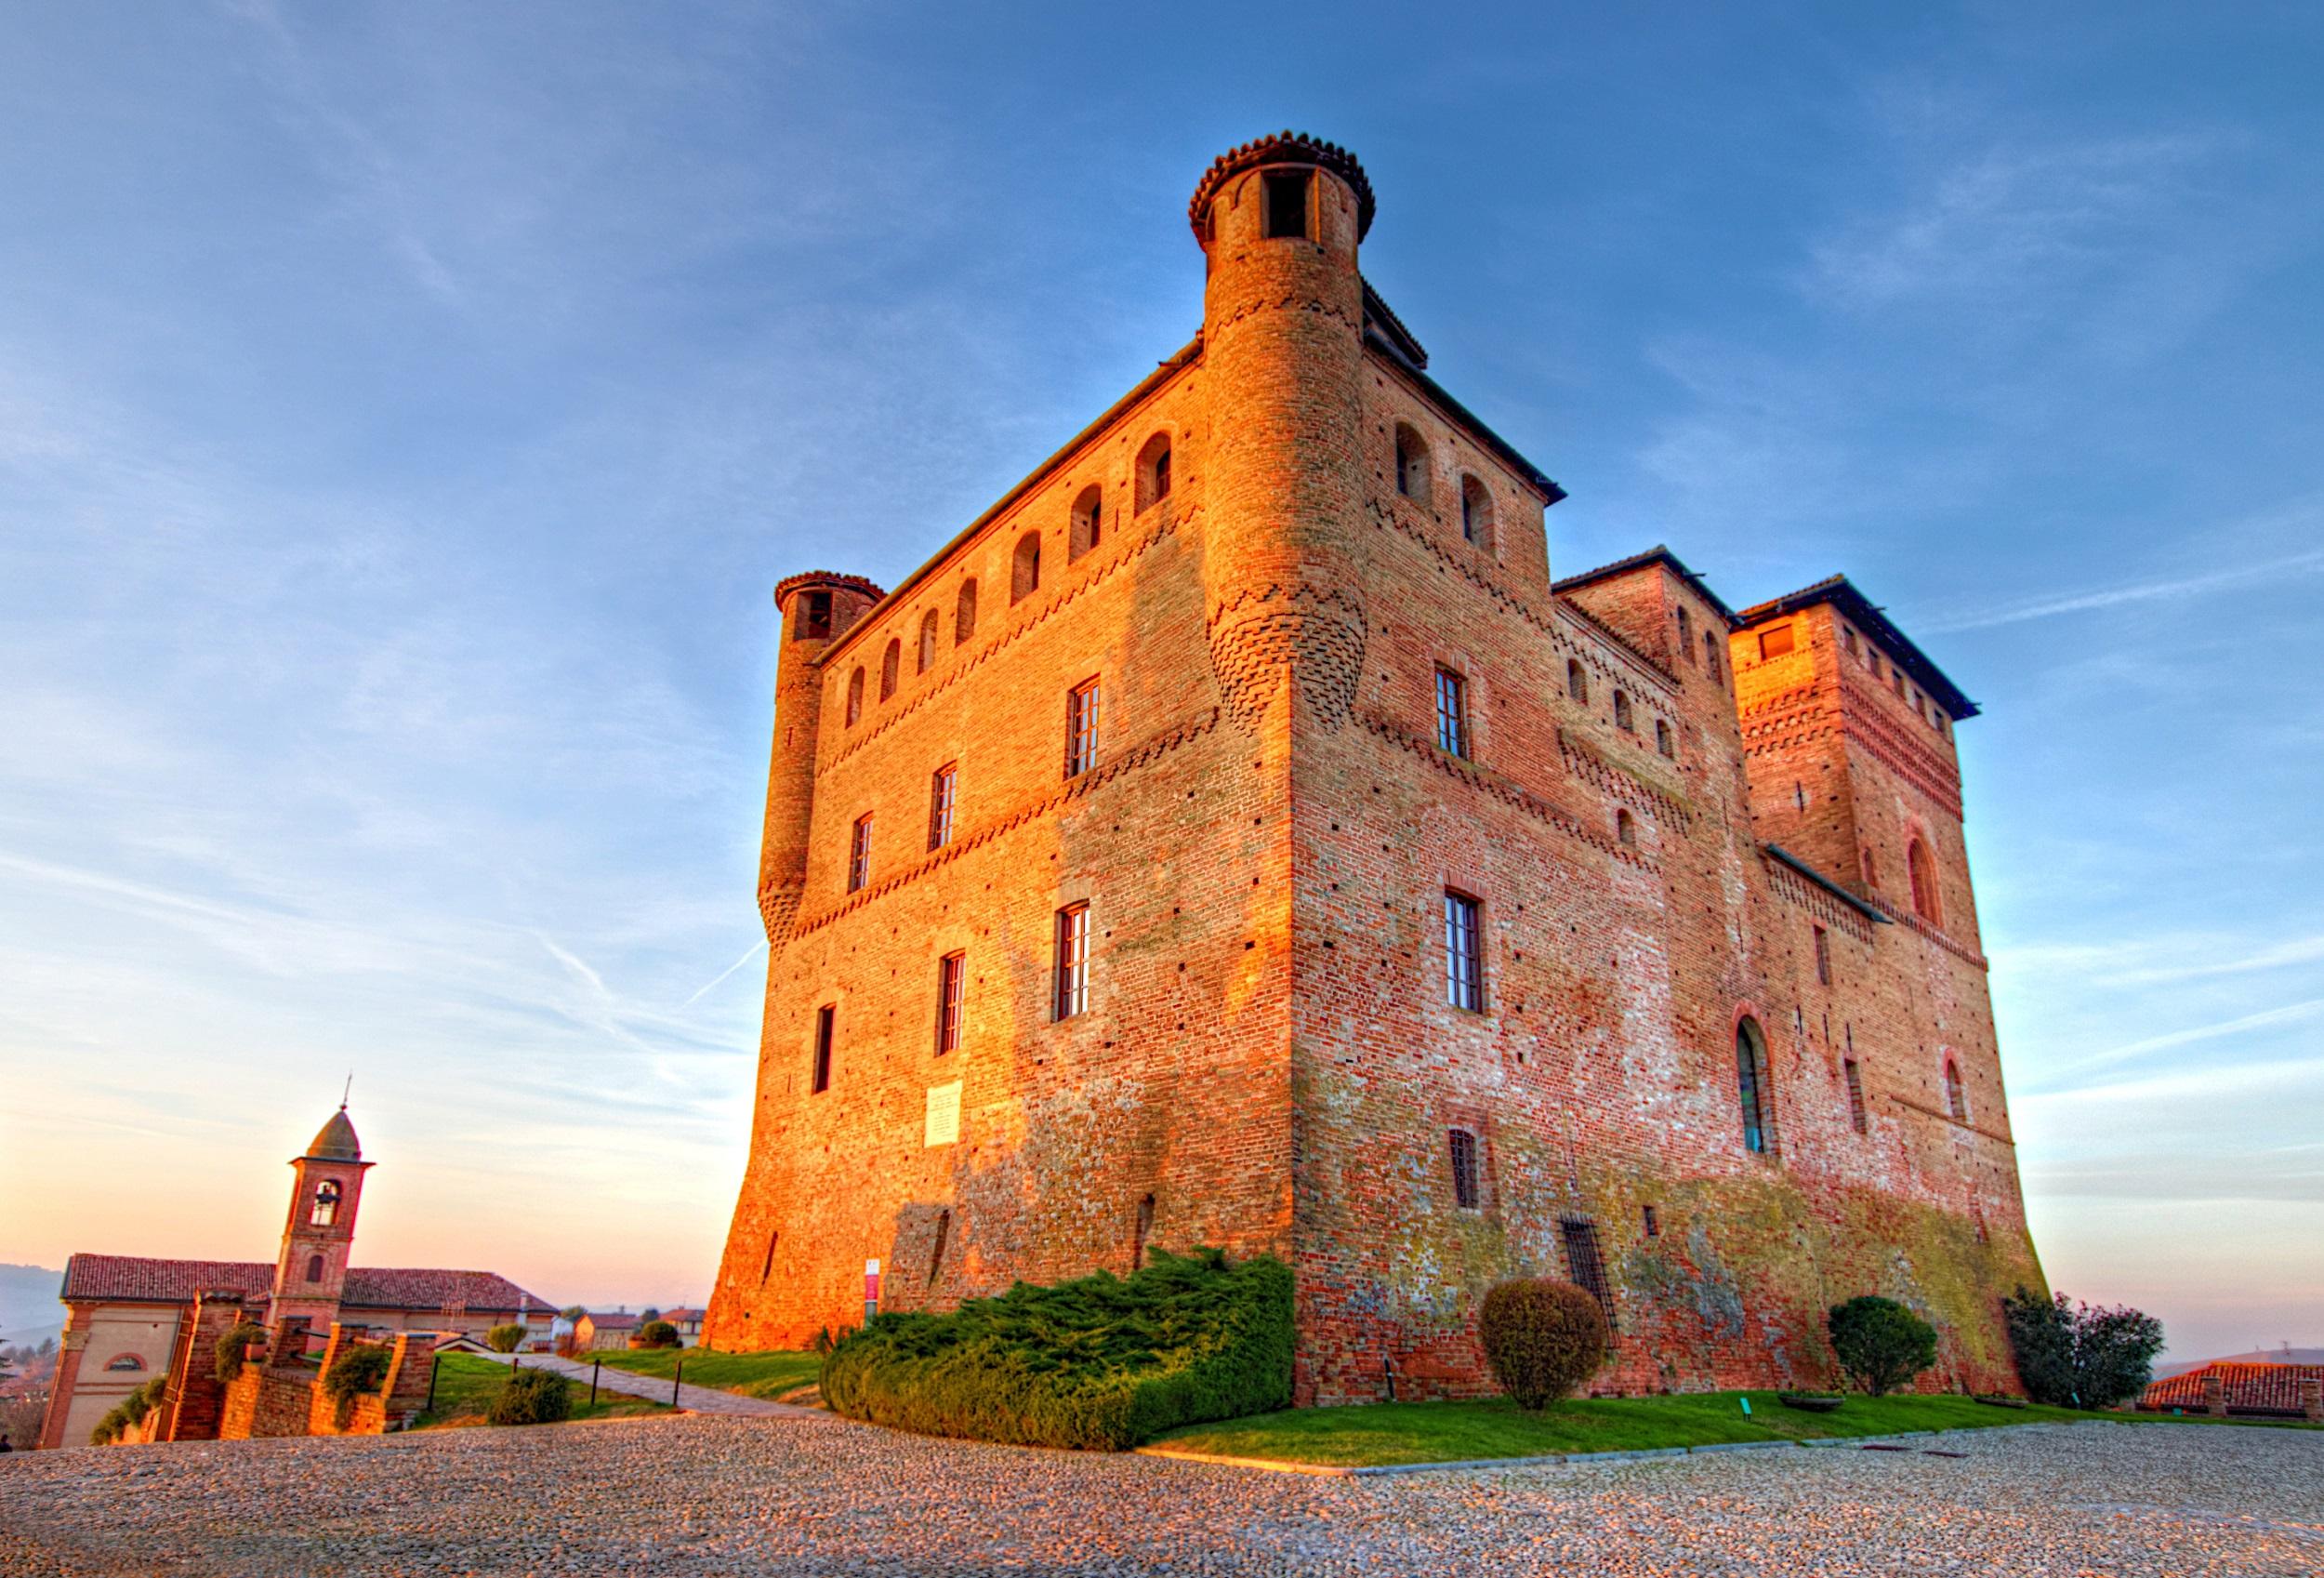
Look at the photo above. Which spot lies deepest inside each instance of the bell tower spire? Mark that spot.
(310, 1275)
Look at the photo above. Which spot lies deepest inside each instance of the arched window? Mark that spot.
(1144, 1231)
(1956, 1098)
(125, 1361)
(1088, 522)
(936, 1256)
(1411, 465)
(1577, 682)
(1710, 653)
(1477, 513)
(1154, 472)
(326, 1209)
(1622, 712)
(928, 640)
(1752, 1086)
(890, 669)
(964, 617)
(1024, 567)
(1626, 828)
(1871, 869)
(854, 696)
(315, 1268)
(1923, 872)
(1663, 742)
(1686, 636)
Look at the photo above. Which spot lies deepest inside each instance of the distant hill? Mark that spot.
(28, 1309)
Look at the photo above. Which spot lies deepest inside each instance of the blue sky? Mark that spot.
(405, 410)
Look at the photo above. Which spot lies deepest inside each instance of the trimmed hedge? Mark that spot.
(1543, 1339)
(532, 1397)
(504, 1338)
(1100, 1362)
(658, 1335)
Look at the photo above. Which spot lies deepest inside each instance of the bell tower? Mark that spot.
(310, 1275)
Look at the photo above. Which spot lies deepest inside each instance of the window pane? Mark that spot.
(939, 793)
(1464, 976)
(1072, 961)
(951, 974)
(859, 853)
(1081, 728)
(1452, 712)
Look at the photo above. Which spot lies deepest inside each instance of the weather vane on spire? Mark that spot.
(347, 1090)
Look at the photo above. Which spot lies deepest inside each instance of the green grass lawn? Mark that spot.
(1439, 1432)
(768, 1374)
(465, 1387)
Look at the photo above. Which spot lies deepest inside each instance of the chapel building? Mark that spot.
(1239, 835)
(133, 1318)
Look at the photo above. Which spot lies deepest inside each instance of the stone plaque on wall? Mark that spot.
(944, 1114)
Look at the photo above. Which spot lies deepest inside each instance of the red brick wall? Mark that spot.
(1265, 846)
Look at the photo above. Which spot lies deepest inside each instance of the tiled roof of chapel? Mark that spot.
(132, 1278)
(2271, 1388)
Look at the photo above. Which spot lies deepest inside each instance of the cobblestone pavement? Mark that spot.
(697, 1399)
(710, 1495)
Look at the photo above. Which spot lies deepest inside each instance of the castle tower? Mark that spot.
(310, 1275)
(1279, 219)
(816, 609)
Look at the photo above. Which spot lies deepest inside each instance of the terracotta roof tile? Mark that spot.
(2272, 1387)
(139, 1279)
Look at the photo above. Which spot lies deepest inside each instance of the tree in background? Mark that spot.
(575, 1313)
(649, 1313)
(2074, 1356)
(1880, 1343)
(658, 1335)
(504, 1339)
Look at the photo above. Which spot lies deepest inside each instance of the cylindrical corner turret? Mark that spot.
(1279, 221)
(816, 609)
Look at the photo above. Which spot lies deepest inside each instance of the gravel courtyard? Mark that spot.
(701, 1495)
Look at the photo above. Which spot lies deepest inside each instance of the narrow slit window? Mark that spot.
(928, 640)
(1587, 1263)
(1577, 680)
(1452, 712)
(826, 1018)
(890, 670)
(936, 1253)
(1143, 1231)
(859, 853)
(1663, 741)
(766, 1267)
(1466, 1192)
(1653, 1223)
(964, 614)
(1823, 956)
(951, 982)
(943, 785)
(1477, 513)
(1750, 1079)
(1287, 204)
(1081, 728)
(1710, 653)
(1464, 963)
(1071, 993)
(1622, 719)
(854, 696)
(1626, 829)
(1856, 1097)
(1686, 636)
(1956, 1096)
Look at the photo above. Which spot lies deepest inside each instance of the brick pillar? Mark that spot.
(68, 1373)
(2312, 1398)
(200, 1396)
(409, 1371)
(2214, 1396)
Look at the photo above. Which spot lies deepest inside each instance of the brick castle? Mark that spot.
(1237, 836)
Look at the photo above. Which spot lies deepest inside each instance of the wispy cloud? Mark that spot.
(2285, 1013)
(2236, 576)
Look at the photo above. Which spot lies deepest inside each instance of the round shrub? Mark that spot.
(658, 1335)
(1542, 1337)
(532, 1397)
(1880, 1343)
(504, 1339)
(233, 1346)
